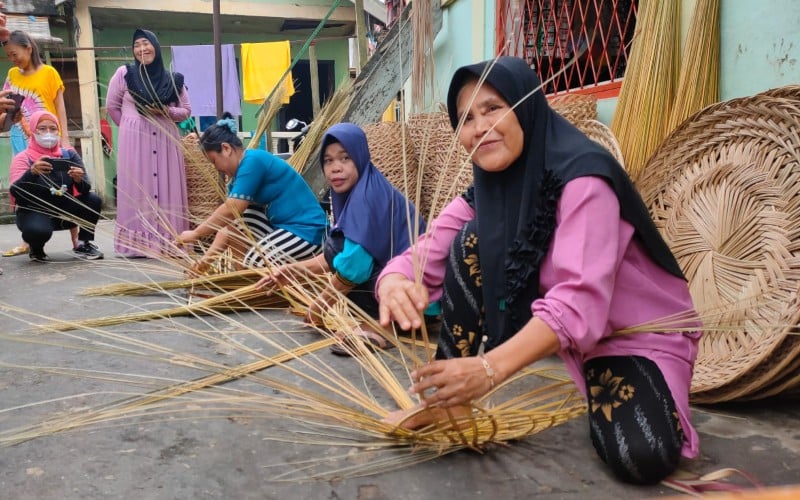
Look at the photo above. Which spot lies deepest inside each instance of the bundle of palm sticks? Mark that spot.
(698, 79)
(641, 117)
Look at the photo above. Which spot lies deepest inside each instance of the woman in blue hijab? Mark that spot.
(372, 222)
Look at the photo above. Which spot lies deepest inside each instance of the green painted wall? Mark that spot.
(759, 46)
(463, 22)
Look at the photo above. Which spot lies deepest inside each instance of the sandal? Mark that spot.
(348, 346)
(697, 485)
(17, 250)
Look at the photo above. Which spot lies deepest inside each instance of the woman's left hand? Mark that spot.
(456, 381)
(76, 173)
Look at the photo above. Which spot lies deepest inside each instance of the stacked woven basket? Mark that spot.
(203, 187)
(724, 189)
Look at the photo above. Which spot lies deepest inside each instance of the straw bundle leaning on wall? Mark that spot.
(698, 80)
(641, 118)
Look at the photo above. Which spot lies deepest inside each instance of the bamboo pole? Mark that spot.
(314, 70)
(361, 34)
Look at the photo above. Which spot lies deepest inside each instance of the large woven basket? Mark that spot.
(724, 189)
(203, 187)
(393, 154)
(575, 107)
(601, 134)
(445, 168)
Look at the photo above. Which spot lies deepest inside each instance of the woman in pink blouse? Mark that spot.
(549, 252)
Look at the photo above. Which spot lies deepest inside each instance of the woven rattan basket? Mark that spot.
(393, 154)
(601, 134)
(724, 189)
(445, 167)
(203, 188)
(575, 107)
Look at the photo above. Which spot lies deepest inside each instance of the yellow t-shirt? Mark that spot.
(40, 89)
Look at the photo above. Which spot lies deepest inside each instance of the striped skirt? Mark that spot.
(275, 245)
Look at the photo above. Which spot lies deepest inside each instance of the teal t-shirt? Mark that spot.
(354, 263)
(265, 180)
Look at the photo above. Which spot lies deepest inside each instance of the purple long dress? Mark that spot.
(151, 178)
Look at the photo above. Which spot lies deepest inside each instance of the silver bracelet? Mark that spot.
(488, 369)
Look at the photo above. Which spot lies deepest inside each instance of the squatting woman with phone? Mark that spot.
(51, 191)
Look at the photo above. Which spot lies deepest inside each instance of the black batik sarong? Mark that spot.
(633, 421)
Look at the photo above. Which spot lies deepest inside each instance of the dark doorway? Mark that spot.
(72, 93)
(300, 105)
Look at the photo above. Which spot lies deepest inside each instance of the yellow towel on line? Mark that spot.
(262, 65)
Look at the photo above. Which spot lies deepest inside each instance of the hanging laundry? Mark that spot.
(263, 64)
(196, 63)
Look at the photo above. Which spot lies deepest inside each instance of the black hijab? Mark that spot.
(516, 208)
(151, 84)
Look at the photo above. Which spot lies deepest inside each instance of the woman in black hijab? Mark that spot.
(146, 101)
(149, 83)
(550, 252)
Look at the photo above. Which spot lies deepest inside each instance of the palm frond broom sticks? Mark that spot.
(641, 118)
(698, 80)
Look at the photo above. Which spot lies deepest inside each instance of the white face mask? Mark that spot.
(47, 140)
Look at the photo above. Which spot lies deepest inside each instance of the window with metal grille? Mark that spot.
(549, 34)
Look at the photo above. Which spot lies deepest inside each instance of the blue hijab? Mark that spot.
(373, 213)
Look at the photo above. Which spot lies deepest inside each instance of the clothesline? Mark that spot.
(237, 45)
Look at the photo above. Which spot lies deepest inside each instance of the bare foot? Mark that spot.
(370, 339)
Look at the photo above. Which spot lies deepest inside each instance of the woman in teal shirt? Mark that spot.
(284, 221)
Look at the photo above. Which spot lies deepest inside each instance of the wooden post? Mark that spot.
(314, 68)
(215, 23)
(91, 145)
(361, 34)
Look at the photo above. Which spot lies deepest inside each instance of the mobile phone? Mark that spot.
(60, 173)
(59, 165)
(18, 98)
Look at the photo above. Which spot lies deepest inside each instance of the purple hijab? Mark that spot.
(373, 213)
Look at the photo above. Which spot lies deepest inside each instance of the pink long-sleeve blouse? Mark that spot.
(595, 279)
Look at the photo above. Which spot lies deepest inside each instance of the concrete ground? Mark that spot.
(188, 455)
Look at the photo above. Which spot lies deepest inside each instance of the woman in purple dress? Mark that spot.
(145, 101)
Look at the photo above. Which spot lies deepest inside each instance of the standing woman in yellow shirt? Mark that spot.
(40, 83)
(42, 88)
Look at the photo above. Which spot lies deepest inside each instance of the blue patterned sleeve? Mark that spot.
(354, 263)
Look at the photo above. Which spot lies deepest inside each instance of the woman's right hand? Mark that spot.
(6, 103)
(41, 167)
(278, 276)
(401, 300)
(201, 267)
